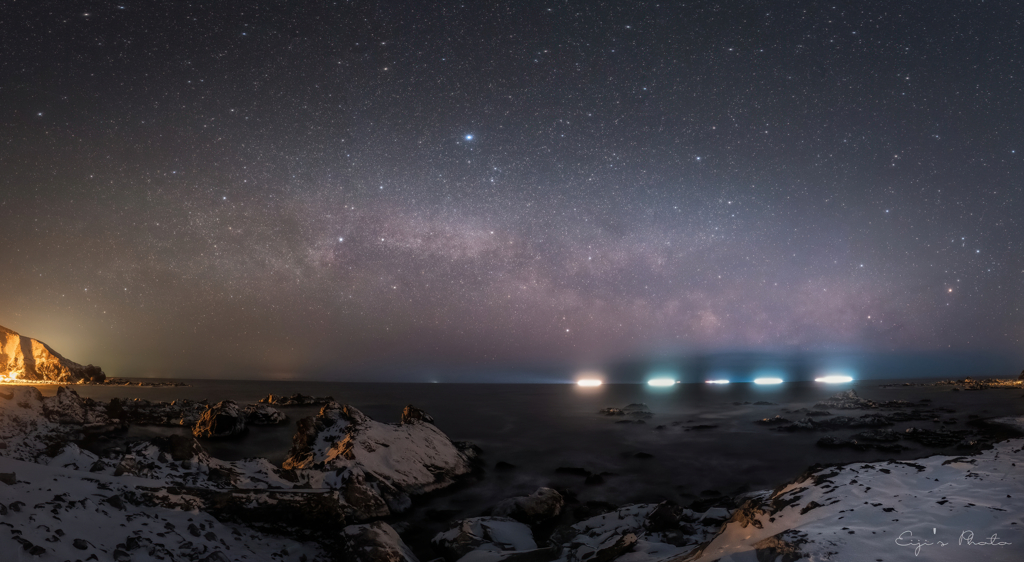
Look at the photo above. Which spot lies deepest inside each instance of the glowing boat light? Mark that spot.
(718, 381)
(834, 379)
(589, 382)
(661, 382)
(768, 380)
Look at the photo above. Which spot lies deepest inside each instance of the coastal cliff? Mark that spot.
(24, 358)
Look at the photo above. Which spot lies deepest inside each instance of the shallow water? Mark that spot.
(539, 428)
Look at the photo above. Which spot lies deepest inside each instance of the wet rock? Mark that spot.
(594, 479)
(878, 435)
(936, 438)
(832, 442)
(777, 420)
(179, 447)
(970, 383)
(375, 542)
(296, 400)
(224, 419)
(636, 410)
(263, 414)
(492, 534)
(176, 413)
(540, 506)
(846, 400)
(413, 414)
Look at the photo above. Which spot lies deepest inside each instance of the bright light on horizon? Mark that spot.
(768, 380)
(661, 382)
(589, 382)
(834, 379)
(718, 381)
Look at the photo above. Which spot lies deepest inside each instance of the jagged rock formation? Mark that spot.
(25, 358)
(223, 419)
(263, 414)
(379, 465)
(144, 412)
(174, 480)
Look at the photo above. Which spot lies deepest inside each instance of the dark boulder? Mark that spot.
(223, 419)
(263, 414)
(375, 542)
(540, 506)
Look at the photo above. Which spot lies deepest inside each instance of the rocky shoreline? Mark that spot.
(347, 478)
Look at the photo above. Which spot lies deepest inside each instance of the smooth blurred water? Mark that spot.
(542, 427)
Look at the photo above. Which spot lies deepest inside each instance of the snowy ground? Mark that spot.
(939, 508)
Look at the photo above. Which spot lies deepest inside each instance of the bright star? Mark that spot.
(469, 137)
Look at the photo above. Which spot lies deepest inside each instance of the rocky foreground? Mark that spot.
(347, 475)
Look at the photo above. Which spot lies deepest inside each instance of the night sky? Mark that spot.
(289, 189)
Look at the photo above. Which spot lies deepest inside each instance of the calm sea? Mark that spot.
(541, 427)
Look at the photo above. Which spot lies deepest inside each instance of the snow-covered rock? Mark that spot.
(865, 511)
(375, 542)
(61, 514)
(263, 414)
(494, 534)
(24, 358)
(223, 419)
(631, 533)
(414, 457)
(376, 466)
(25, 429)
(542, 505)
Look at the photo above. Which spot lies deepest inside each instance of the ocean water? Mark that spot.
(541, 427)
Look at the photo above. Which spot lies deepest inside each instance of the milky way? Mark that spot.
(280, 190)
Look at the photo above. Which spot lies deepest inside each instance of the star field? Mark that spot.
(280, 189)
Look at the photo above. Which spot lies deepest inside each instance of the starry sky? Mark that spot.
(344, 189)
